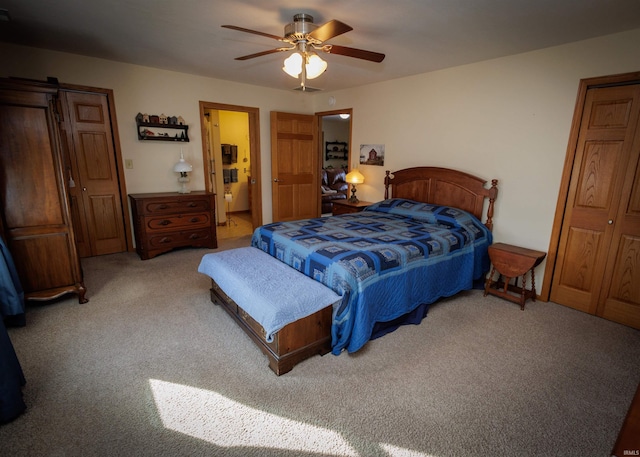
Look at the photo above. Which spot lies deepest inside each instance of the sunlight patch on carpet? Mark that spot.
(395, 451)
(224, 422)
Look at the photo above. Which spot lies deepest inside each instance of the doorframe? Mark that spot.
(622, 79)
(122, 186)
(319, 115)
(254, 153)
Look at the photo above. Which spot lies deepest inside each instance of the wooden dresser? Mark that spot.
(168, 220)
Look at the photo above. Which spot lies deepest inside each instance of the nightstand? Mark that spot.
(344, 207)
(512, 262)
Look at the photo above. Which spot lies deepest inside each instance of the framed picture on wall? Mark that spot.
(336, 150)
(372, 154)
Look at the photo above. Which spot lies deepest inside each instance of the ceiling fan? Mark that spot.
(305, 38)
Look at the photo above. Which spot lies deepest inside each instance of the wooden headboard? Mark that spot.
(443, 186)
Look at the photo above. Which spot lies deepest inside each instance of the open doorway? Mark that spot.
(231, 159)
(335, 148)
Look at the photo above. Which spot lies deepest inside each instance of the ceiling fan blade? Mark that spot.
(263, 53)
(255, 32)
(353, 52)
(329, 30)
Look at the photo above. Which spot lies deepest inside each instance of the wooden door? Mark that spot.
(598, 262)
(294, 166)
(95, 188)
(33, 196)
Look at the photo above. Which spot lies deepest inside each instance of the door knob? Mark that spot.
(610, 221)
(276, 180)
(84, 189)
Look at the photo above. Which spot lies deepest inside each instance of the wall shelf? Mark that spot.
(162, 132)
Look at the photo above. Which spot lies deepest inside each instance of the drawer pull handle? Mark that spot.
(194, 219)
(165, 240)
(194, 236)
(165, 222)
(163, 206)
(191, 204)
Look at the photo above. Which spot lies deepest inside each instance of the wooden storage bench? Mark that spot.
(242, 271)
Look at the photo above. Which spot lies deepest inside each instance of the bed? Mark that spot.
(388, 263)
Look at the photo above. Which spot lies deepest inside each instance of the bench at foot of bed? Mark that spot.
(269, 298)
(292, 344)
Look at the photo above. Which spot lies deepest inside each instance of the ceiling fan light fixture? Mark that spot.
(293, 65)
(315, 66)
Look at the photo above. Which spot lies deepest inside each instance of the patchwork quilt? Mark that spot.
(384, 261)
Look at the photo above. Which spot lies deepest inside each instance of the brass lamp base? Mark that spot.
(353, 198)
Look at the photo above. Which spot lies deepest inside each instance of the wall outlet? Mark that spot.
(128, 163)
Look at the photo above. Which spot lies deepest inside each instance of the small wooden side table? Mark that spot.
(512, 262)
(345, 207)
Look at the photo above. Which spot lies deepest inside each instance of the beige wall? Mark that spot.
(506, 118)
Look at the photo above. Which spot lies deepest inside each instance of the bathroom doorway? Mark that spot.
(231, 161)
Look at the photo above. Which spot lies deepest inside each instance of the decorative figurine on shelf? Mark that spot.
(145, 118)
(163, 119)
(180, 120)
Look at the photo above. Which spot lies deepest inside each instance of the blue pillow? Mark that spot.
(402, 207)
(427, 212)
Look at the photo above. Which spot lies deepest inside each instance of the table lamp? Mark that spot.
(354, 177)
(183, 168)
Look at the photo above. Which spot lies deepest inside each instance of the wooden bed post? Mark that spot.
(387, 179)
(493, 192)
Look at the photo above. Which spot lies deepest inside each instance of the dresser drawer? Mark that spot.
(200, 237)
(177, 222)
(176, 206)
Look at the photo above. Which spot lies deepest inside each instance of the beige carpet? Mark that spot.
(149, 367)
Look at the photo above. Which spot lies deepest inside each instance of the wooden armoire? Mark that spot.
(35, 218)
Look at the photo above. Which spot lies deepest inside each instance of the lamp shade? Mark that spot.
(315, 66)
(354, 177)
(182, 166)
(293, 65)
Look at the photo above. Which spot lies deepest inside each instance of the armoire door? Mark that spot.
(96, 203)
(33, 196)
(294, 166)
(598, 262)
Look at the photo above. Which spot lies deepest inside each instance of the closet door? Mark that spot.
(598, 264)
(96, 205)
(34, 201)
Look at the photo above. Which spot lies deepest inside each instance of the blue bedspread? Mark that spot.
(384, 261)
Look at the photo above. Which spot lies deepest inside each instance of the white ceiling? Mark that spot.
(417, 36)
